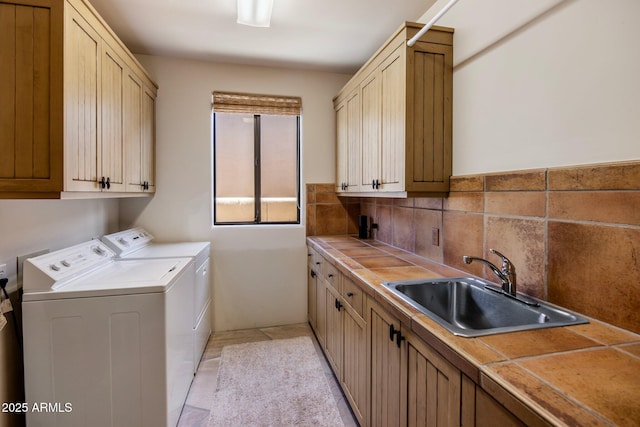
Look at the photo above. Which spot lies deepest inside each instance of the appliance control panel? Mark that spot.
(52, 270)
(127, 241)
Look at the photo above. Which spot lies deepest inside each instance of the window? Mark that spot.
(256, 159)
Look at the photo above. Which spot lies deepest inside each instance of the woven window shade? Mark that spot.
(247, 103)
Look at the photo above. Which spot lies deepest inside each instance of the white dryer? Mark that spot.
(106, 343)
(137, 243)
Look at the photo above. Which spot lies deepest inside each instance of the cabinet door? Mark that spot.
(82, 98)
(312, 281)
(385, 369)
(112, 76)
(354, 362)
(148, 163)
(348, 170)
(433, 387)
(489, 413)
(370, 93)
(392, 121)
(31, 98)
(132, 92)
(333, 340)
(429, 166)
(321, 312)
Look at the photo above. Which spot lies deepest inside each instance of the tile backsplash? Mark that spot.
(573, 233)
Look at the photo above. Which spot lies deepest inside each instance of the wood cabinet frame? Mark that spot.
(62, 131)
(405, 126)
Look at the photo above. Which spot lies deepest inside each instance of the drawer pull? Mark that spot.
(330, 275)
(349, 294)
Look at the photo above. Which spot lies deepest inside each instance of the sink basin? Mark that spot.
(471, 307)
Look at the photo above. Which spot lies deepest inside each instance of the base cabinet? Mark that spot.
(389, 375)
(340, 329)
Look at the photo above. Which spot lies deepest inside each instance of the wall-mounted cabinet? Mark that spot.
(80, 117)
(396, 139)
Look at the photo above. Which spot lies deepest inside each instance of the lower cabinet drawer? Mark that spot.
(353, 295)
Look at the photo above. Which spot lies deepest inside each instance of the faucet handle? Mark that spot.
(507, 265)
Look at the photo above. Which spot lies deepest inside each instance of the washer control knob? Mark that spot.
(65, 263)
(99, 250)
(54, 267)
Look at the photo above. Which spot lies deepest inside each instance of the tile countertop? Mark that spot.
(584, 375)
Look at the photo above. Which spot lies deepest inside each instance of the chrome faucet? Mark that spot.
(506, 274)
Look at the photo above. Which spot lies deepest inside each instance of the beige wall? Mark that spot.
(544, 83)
(32, 225)
(259, 276)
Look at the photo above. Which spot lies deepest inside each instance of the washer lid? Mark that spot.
(126, 277)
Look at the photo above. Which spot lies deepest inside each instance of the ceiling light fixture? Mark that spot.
(256, 13)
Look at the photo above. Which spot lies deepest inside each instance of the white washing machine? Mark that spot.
(106, 343)
(137, 243)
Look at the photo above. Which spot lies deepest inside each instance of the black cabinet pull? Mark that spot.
(317, 262)
(349, 294)
(102, 183)
(377, 182)
(399, 339)
(313, 274)
(108, 183)
(373, 184)
(338, 304)
(330, 275)
(393, 332)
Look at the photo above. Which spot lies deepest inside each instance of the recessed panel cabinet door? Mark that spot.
(112, 115)
(433, 387)
(393, 121)
(354, 362)
(132, 131)
(370, 100)
(148, 165)
(348, 170)
(82, 98)
(385, 369)
(31, 98)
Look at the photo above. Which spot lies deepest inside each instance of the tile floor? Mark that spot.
(197, 408)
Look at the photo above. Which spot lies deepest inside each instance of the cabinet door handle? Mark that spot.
(399, 339)
(102, 183)
(338, 304)
(377, 184)
(373, 184)
(108, 183)
(349, 294)
(317, 262)
(313, 274)
(393, 332)
(330, 275)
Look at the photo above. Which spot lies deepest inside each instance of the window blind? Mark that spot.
(247, 103)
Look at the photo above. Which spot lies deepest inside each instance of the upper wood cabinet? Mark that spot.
(404, 127)
(73, 124)
(31, 128)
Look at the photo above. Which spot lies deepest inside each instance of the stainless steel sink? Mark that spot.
(471, 307)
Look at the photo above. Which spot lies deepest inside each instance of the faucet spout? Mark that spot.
(506, 274)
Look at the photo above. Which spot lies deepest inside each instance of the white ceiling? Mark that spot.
(327, 35)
